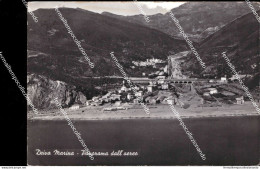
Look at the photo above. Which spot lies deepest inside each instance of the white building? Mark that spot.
(206, 94)
(88, 103)
(165, 69)
(223, 79)
(139, 94)
(212, 90)
(160, 81)
(123, 88)
(170, 101)
(129, 96)
(165, 86)
(234, 77)
(161, 77)
(74, 107)
(240, 100)
(150, 88)
(118, 103)
(95, 99)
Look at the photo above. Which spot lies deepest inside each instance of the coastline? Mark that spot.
(156, 112)
(142, 118)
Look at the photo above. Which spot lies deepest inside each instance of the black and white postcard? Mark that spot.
(143, 83)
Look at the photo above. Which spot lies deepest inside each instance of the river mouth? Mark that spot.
(224, 141)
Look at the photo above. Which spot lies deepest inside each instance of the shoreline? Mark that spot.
(59, 118)
(156, 112)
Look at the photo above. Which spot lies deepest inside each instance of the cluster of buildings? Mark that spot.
(221, 80)
(125, 94)
(208, 92)
(159, 83)
(162, 73)
(148, 62)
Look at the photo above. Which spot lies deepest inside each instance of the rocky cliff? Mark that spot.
(42, 92)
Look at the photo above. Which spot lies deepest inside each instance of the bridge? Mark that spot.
(147, 80)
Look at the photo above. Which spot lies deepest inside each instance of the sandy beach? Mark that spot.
(156, 112)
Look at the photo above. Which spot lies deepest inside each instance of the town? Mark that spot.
(169, 86)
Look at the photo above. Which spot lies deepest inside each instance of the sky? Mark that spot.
(120, 8)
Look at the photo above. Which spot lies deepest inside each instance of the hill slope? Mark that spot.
(240, 38)
(198, 19)
(99, 35)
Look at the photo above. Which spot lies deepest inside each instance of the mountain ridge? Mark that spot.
(194, 17)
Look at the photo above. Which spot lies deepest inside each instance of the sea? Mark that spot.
(224, 141)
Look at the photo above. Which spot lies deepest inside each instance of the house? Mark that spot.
(165, 86)
(171, 101)
(240, 100)
(142, 87)
(88, 102)
(160, 81)
(206, 94)
(139, 94)
(223, 79)
(129, 96)
(150, 88)
(212, 90)
(124, 88)
(95, 99)
(234, 77)
(165, 69)
(118, 103)
(115, 97)
(74, 107)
